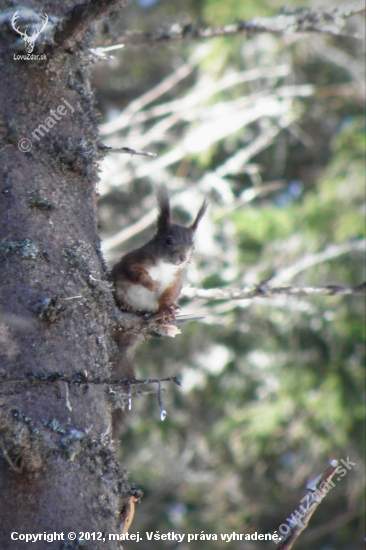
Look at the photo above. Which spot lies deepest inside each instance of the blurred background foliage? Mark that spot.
(270, 130)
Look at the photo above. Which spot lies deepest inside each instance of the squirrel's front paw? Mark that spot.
(166, 314)
(153, 286)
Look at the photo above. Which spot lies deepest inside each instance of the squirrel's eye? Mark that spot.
(169, 240)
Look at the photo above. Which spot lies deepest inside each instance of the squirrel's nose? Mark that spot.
(182, 257)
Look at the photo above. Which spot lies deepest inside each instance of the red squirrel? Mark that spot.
(150, 278)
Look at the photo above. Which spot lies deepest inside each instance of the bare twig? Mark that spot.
(197, 96)
(130, 231)
(250, 194)
(209, 180)
(264, 291)
(102, 53)
(126, 151)
(304, 21)
(234, 163)
(81, 378)
(333, 251)
(199, 139)
(315, 495)
(151, 95)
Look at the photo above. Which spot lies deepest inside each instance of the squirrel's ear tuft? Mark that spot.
(200, 214)
(164, 220)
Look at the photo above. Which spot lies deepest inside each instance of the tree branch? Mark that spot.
(264, 291)
(333, 251)
(303, 21)
(320, 487)
(82, 378)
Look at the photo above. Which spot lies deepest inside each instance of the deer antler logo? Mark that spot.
(29, 40)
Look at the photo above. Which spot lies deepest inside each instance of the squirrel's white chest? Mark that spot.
(164, 273)
(140, 298)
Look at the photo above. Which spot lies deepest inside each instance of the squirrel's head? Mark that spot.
(175, 242)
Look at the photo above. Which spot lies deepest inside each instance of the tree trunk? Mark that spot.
(58, 471)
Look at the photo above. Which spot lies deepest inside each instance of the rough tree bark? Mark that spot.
(58, 470)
